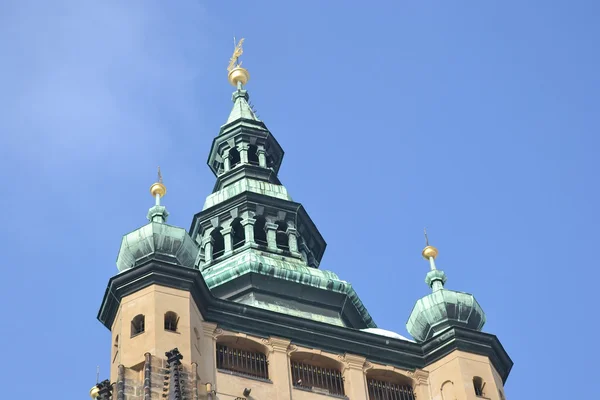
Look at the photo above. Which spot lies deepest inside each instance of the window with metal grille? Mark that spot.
(318, 379)
(244, 362)
(382, 390)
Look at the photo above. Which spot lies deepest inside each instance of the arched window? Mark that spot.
(138, 325)
(253, 154)
(242, 356)
(282, 237)
(237, 233)
(383, 385)
(317, 373)
(478, 385)
(218, 243)
(171, 320)
(260, 235)
(234, 157)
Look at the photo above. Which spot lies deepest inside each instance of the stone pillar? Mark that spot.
(292, 240)
(280, 376)
(354, 377)
(226, 232)
(147, 376)
(226, 160)
(208, 247)
(194, 381)
(248, 225)
(243, 149)
(271, 235)
(262, 157)
(421, 384)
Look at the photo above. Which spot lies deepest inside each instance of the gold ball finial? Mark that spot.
(158, 187)
(94, 392)
(430, 252)
(238, 74)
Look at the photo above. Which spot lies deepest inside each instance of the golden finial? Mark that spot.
(237, 74)
(429, 251)
(158, 188)
(94, 392)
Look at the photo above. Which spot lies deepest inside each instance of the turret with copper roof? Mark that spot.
(442, 308)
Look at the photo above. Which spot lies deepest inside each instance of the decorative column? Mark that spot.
(121, 382)
(194, 381)
(243, 149)
(226, 232)
(292, 240)
(421, 384)
(147, 376)
(262, 157)
(208, 247)
(226, 160)
(279, 372)
(248, 225)
(271, 235)
(354, 377)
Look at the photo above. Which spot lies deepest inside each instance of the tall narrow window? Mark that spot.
(478, 385)
(260, 235)
(116, 348)
(171, 320)
(282, 237)
(238, 234)
(253, 154)
(218, 243)
(234, 157)
(138, 325)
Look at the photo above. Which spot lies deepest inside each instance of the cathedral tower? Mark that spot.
(241, 308)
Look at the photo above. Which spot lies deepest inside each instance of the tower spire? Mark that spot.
(435, 278)
(158, 213)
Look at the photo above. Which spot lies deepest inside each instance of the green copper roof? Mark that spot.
(443, 308)
(158, 240)
(298, 272)
(246, 184)
(241, 108)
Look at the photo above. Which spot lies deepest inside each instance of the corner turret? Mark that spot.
(442, 308)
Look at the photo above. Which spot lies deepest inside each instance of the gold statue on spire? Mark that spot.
(158, 188)
(429, 251)
(237, 52)
(237, 75)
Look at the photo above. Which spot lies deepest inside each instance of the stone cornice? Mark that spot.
(255, 321)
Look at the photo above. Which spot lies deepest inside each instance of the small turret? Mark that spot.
(442, 308)
(157, 240)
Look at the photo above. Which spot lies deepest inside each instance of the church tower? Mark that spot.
(240, 308)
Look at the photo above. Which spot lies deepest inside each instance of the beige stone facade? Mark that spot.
(139, 357)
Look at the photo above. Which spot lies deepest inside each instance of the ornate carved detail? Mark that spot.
(367, 366)
(278, 344)
(420, 377)
(291, 349)
(268, 345)
(218, 332)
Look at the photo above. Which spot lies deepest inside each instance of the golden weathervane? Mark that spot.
(237, 52)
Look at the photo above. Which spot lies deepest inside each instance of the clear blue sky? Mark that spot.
(477, 119)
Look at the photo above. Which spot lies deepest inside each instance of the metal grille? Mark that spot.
(242, 361)
(317, 379)
(381, 390)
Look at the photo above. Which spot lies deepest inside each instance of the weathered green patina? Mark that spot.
(157, 240)
(443, 308)
(252, 262)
